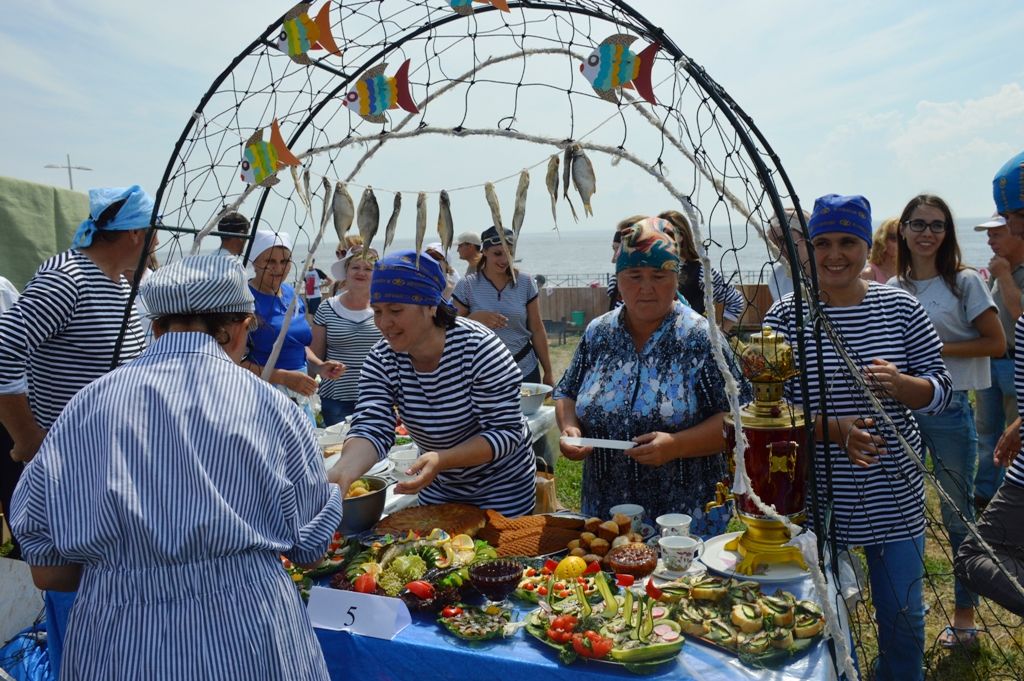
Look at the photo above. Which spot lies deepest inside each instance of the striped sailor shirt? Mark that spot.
(157, 479)
(473, 391)
(60, 335)
(351, 334)
(476, 292)
(1015, 473)
(885, 501)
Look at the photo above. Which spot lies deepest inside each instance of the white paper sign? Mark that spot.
(363, 614)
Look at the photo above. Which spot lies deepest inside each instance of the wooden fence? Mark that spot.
(558, 305)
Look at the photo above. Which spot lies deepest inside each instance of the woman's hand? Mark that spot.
(299, 382)
(654, 449)
(1008, 446)
(492, 320)
(862, 447)
(425, 468)
(884, 378)
(25, 448)
(548, 379)
(572, 452)
(331, 370)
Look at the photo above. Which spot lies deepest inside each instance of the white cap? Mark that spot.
(996, 220)
(265, 239)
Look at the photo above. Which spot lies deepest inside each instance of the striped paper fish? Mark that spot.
(261, 160)
(465, 7)
(375, 93)
(300, 34)
(613, 65)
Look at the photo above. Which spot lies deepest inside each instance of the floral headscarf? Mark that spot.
(651, 242)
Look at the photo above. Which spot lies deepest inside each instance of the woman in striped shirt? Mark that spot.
(872, 490)
(176, 546)
(456, 389)
(960, 306)
(343, 331)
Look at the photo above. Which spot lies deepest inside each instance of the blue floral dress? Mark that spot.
(672, 384)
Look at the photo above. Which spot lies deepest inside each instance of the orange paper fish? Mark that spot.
(261, 160)
(300, 34)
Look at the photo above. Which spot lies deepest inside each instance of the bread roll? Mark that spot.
(591, 525)
(600, 546)
(620, 540)
(578, 551)
(624, 522)
(586, 538)
(608, 530)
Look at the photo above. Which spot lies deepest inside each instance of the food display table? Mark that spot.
(424, 650)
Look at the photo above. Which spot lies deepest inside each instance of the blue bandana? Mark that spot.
(1008, 185)
(396, 279)
(134, 210)
(847, 214)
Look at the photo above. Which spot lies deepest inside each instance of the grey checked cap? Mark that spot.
(197, 284)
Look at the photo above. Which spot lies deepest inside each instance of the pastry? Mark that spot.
(638, 560)
(452, 518)
(608, 530)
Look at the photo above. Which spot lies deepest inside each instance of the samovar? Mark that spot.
(776, 460)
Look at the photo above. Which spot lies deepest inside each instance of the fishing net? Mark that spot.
(494, 93)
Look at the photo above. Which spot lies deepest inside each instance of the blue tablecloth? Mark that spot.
(424, 650)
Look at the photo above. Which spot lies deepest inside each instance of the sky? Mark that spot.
(880, 98)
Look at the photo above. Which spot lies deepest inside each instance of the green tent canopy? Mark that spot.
(36, 222)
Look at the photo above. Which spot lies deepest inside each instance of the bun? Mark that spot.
(599, 546)
(608, 530)
(591, 525)
(624, 522)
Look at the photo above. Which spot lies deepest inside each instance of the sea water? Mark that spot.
(579, 257)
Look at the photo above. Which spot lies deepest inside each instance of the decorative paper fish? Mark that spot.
(261, 160)
(465, 7)
(300, 34)
(375, 93)
(613, 65)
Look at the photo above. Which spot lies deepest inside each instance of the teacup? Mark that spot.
(403, 459)
(635, 513)
(678, 552)
(674, 524)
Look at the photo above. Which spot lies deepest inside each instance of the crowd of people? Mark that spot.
(112, 453)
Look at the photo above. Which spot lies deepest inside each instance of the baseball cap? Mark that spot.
(996, 220)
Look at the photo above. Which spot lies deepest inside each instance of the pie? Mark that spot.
(452, 518)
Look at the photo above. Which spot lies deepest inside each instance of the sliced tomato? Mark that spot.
(592, 568)
(625, 580)
(529, 586)
(420, 589)
(451, 611)
(550, 565)
(653, 591)
(365, 583)
(542, 590)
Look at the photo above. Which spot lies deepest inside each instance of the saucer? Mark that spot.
(662, 572)
(647, 531)
(721, 560)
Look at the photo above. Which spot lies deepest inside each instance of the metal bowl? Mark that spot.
(361, 513)
(534, 397)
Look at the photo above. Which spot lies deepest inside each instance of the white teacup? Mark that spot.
(678, 552)
(403, 459)
(635, 513)
(674, 525)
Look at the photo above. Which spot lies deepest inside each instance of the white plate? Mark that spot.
(724, 562)
(596, 442)
(381, 468)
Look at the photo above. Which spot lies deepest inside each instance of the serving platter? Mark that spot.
(723, 561)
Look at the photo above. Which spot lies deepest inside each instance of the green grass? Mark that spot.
(1000, 654)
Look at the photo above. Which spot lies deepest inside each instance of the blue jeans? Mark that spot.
(953, 443)
(896, 572)
(335, 411)
(996, 408)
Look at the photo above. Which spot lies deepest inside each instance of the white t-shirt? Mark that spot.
(779, 281)
(953, 320)
(8, 295)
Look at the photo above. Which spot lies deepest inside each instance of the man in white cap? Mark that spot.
(997, 406)
(996, 569)
(470, 248)
(169, 489)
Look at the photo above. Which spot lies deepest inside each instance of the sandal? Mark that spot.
(954, 637)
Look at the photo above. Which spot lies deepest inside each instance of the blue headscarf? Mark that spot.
(847, 214)
(134, 210)
(397, 279)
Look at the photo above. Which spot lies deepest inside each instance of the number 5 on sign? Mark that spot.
(363, 614)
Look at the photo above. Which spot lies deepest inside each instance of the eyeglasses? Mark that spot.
(937, 227)
(339, 254)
